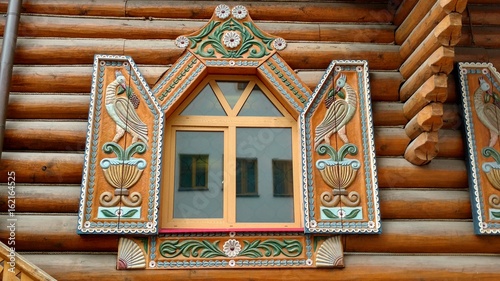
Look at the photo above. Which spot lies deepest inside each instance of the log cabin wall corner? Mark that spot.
(425, 209)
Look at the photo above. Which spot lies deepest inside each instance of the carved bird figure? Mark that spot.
(339, 112)
(123, 113)
(488, 113)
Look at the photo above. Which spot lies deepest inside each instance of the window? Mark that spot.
(193, 171)
(282, 177)
(229, 148)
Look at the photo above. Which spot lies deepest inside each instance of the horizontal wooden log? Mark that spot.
(66, 168)
(397, 172)
(403, 11)
(163, 52)
(46, 106)
(56, 233)
(43, 198)
(361, 11)
(48, 136)
(451, 117)
(423, 148)
(58, 168)
(481, 14)
(441, 61)
(419, 12)
(433, 90)
(477, 54)
(446, 33)
(138, 28)
(480, 36)
(451, 144)
(425, 204)
(388, 114)
(286, 11)
(424, 237)
(429, 119)
(70, 137)
(429, 203)
(384, 86)
(75, 267)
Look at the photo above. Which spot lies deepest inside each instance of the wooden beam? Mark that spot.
(398, 172)
(418, 13)
(437, 13)
(477, 54)
(384, 86)
(43, 198)
(57, 233)
(388, 114)
(138, 28)
(425, 204)
(451, 144)
(480, 36)
(482, 14)
(66, 168)
(446, 33)
(431, 203)
(298, 55)
(441, 61)
(429, 119)
(60, 168)
(423, 148)
(403, 11)
(433, 90)
(85, 266)
(46, 106)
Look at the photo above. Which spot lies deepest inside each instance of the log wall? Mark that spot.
(410, 49)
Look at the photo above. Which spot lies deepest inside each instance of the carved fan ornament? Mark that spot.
(480, 88)
(122, 168)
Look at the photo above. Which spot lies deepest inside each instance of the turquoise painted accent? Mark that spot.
(116, 212)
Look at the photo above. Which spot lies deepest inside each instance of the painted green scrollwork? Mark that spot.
(191, 248)
(206, 249)
(215, 41)
(347, 148)
(491, 152)
(138, 147)
(271, 247)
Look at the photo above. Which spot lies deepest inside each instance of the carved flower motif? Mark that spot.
(182, 42)
(485, 71)
(222, 11)
(231, 39)
(279, 44)
(341, 213)
(371, 224)
(240, 12)
(231, 248)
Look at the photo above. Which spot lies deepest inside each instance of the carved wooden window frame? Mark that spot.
(228, 125)
(229, 43)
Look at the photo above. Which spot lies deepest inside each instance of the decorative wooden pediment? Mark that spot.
(339, 172)
(121, 174)
(480, 88)
(230, 43)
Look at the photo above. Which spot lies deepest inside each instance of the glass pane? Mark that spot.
(205, 103)
(198, 174)
(258, 104)
(265, 145)
(232, 90)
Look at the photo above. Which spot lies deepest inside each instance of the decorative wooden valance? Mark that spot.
(480, 89)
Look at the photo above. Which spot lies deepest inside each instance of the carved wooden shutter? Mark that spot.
(121, 173)
(339, 175)
(480, 88)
